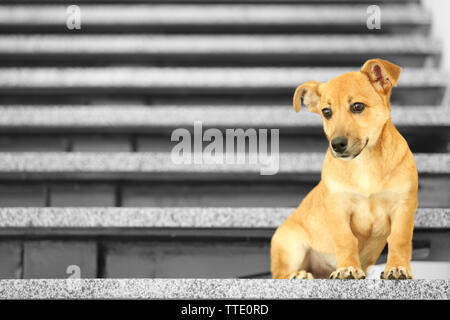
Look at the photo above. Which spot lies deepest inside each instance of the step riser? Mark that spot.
(230, 60)
(433, 193)
(210, 29)
(413, 96)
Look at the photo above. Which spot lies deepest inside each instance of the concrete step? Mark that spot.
(209, 18)
(416, 86)
(223, 289)
(152, 179)
(148, 128)
(123, 222)
(247, 50)
(168, 242)
(166, 118)
(107, 166)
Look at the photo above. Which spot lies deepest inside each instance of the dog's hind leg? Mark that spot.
(290, 253)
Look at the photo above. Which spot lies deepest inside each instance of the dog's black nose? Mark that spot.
(339, 144)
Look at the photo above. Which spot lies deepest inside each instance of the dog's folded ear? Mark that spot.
(310, 92)
(382, 74)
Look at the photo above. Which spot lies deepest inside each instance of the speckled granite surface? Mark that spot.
(223, 289)
(217, 44)
(172, 116)
(174, 217)
(432, 218)
(214, 14)
(193, 78)
(139, 163)
(156, 162)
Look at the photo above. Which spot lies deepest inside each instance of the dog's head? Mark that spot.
(354, 106)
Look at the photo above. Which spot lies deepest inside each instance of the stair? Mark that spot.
(211, 18)
(214, 50)
(416, 87)
(86, 118)
(223, 289)
(109, 220)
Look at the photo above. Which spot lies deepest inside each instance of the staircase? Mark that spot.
(87, 185)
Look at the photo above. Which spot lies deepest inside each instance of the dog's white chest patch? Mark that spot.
(365, 186)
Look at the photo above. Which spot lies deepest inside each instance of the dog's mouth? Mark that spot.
(348, 155)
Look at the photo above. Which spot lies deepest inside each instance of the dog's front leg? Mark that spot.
(345, 242)
(346, 247)
(400, 242)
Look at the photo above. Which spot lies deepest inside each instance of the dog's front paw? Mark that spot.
(396, 273)
(301, 274)
(348, 273)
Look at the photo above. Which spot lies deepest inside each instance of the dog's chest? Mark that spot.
(370, 196)
(367, 184)
(360, 182)
(369, 202)
(370, 217)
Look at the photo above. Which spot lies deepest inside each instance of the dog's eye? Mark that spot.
(357, 107)
(327, 113)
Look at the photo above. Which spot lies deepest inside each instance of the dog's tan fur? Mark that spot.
(343, 224)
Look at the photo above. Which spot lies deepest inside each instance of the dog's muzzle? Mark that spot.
(340, 148)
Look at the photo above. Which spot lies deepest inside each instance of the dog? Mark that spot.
(367, 195)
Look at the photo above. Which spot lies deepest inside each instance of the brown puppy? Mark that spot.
(367, 195)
